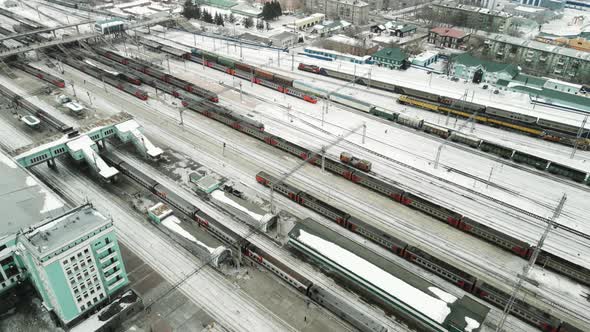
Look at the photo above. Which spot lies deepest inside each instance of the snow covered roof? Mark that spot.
(449, 32)
(25, 201)
(532, 44)
(69, 227)
(391, 53)
(468, 60)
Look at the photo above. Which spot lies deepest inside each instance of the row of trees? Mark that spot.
(194, 11)
(271, 10)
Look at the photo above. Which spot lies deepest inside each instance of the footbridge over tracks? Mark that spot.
(44, 30)
(79, 37)
(86, 143)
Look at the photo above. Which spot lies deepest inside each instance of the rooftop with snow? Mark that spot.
(25, 200)
(54, 234)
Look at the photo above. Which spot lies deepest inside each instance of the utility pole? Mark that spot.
(490, 177)
(364, 131)
(279, 57)
(438, 151)
(73, 88)
(578, 136)
(531, 263)
(240, 91)
(223, 150)
(292, 61)
(168, 61)
(181, 118)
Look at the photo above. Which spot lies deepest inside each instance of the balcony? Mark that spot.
(107, 257)
(105, 248)
(110, 266)
(116, 284)
(112, 276)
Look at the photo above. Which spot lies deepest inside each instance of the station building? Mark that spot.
(468, 67)
(391, 57)
(71, 257)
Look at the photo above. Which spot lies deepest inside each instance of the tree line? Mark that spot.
(272, 10)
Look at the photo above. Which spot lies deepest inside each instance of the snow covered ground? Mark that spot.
(569, 25)
(153, 104)
(412, 78)
(527, 191)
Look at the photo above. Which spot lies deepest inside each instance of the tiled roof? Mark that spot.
(449, 32)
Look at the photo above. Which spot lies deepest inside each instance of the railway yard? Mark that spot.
(279, 192)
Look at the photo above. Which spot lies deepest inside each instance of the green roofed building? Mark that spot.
(470, 68)
(223, 4)
(72, 257)
(391, 57)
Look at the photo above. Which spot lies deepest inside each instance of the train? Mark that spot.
(150, 70)
(420, 257)
(242, 70)
(40, 74)
(105, 76)
(531, 125)
(65, 3)
(459, 221)
(362, 164)
(381, 282)
(256, 129)
(317, 293)
(445, 133)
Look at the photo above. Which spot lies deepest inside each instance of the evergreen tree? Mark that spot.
(259, 25)
(231, 18)
(267, 13)
(248, 22)
(219, 19)
(278, 9)
(187, 9)
(197, 12)
(267, 25)
(206, 16)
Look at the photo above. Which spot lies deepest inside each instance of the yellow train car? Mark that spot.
(403, 99)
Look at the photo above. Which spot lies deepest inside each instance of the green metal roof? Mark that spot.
(557, 97)
(225, 4)
(502, 82)
(391, 53)
(530, 80)
(468, 60)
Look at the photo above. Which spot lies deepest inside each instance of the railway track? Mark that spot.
(427, 174)
(157, 117)
(214, 135)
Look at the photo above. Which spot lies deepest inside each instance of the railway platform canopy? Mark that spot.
(387, 281)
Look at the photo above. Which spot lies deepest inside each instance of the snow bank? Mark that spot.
(432, 307)
(472, 324)
(220, 196)
(173, 224)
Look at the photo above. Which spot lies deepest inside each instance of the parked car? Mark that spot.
(485, 86)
